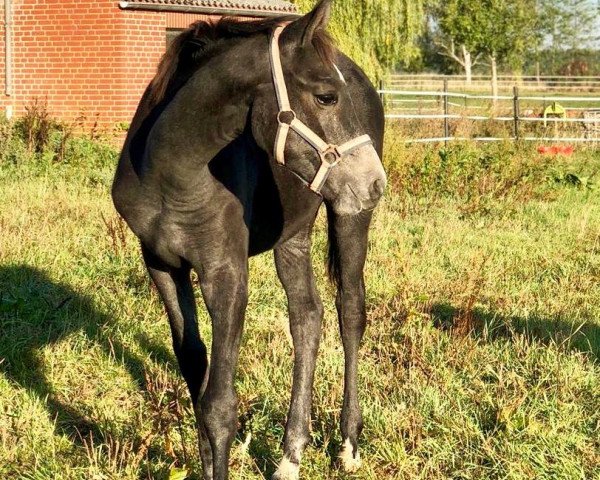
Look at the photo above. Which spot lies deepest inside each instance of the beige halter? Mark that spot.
(330, 155)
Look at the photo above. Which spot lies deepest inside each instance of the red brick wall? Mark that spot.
(82, 57)
(144, 43)
(2, 53)
(183, 20)
(85, 58)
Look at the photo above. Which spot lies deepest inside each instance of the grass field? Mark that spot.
(481, 359)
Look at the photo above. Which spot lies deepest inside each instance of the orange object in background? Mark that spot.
(566, 150)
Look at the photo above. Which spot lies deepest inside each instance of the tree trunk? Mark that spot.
(494, 79)
(468, 65)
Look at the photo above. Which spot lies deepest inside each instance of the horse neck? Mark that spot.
(212, 108)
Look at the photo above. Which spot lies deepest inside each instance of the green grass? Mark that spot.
(480, 360)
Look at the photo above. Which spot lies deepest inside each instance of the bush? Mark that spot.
(481, 178)
(39, 141)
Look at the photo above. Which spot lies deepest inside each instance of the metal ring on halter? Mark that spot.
(281, 121)
(331, 151)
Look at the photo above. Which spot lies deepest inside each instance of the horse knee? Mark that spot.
(219, 415)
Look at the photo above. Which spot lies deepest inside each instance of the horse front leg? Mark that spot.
(224, 287)
(295, 271)
(349, 239)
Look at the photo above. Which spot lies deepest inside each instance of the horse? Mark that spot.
(244, 132)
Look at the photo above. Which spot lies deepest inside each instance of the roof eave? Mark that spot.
(242, 12)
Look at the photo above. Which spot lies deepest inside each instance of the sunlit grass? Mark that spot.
(480, 359)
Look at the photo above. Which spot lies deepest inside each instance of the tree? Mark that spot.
(568, 24)
(501, 31)
(377, 34)
(457, 32)
(510, 31)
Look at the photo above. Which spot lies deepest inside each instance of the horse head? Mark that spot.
(312, 122)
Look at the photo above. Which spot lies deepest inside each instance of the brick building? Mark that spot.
(94, 58)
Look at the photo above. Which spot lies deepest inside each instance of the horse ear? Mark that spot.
(309, 24)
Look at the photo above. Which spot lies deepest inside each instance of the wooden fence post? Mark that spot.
(381, 88)
(516, 112)
(446, 113)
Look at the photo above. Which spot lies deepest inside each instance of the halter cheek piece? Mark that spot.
(330, 155)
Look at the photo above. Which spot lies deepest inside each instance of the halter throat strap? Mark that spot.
(330, 155)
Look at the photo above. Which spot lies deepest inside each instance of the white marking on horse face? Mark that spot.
(350, 463)
(287, 470)
(339, 73)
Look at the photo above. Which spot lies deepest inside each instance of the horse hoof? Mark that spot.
(350, 463)
(287, 471)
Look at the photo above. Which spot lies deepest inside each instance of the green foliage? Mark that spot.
(36, 126)
(505, 30)
(488, 180)
(567, 24)
(558, 34)
(565, 62)
(377, 34)
(584, 183)
(38, 145)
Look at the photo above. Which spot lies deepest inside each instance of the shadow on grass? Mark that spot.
(568, 335)
(36, 311)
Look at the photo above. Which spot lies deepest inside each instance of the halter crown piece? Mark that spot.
(330, 155)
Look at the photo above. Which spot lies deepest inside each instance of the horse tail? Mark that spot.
(179, 57)
(333, 258)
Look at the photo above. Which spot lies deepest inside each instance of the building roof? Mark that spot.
(255, 8)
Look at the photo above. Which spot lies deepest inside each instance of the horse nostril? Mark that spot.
(377, 188)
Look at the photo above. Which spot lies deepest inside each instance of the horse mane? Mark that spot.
(196, 42)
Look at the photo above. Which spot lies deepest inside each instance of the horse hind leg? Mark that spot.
(175, 288)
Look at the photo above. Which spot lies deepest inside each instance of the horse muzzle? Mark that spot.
(359, 183)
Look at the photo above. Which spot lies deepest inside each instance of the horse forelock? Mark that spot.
(325, 47)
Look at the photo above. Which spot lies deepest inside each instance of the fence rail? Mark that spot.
(505, 82)
(582, 119)
(500, 77)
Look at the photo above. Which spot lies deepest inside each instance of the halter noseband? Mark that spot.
(330, 155)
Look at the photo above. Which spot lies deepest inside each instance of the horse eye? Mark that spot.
(327, 100)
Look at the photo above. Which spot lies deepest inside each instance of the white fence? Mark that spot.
(483, 83)
(581, 114)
